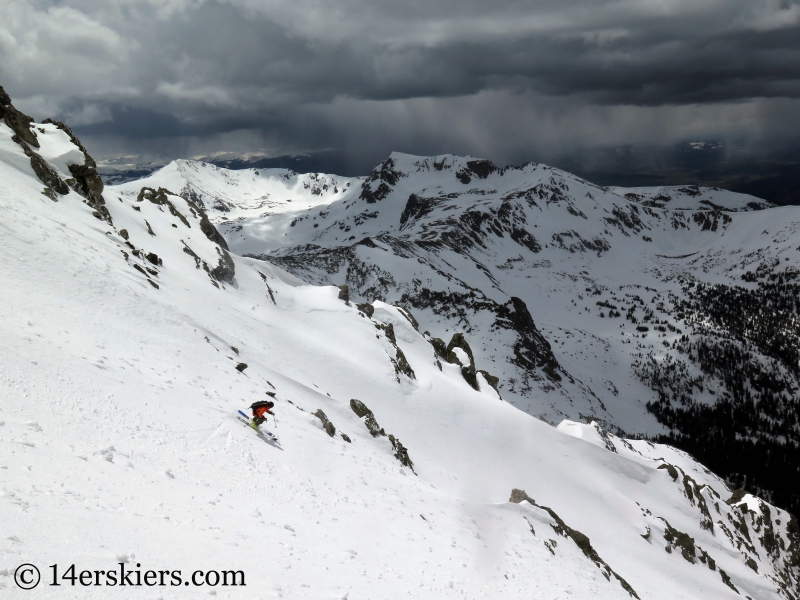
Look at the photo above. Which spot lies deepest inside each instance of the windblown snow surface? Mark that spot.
(119, 384)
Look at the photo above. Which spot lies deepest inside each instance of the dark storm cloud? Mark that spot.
(370, 76)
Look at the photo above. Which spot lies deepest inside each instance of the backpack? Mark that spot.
(262, 403)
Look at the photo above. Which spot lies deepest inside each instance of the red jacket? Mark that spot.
(259, 412)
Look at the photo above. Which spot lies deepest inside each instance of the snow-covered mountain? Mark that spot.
(692, 197)
(131, 335)
(657, 311)
(121, 169)
(245, 193)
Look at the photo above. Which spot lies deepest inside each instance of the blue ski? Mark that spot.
(247, 421)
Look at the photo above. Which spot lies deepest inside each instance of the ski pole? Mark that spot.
(276, 421)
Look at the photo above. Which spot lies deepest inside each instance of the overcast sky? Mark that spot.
(509, 80)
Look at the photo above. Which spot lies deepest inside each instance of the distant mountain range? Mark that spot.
(667, 311)
(773, 176)
(123, 169)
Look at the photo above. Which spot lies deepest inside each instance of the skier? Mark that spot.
(260, 409)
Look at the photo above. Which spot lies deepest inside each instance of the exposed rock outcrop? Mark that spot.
(225, 269)
(416, 207)
(518, 496)
(365, 413)
(531, 350)
(207, 228)
(161, 197)
(366, 308)
(380, 182)
(85, 178)
(407, 314)
(326, 423)
(476, 168)
(46, 174)
(468, 370)
(24, 135)
(491, 380)
(580, 539)
(399, 362)
(19, 122)
(401, 454)
(400, 451)
(439, 347)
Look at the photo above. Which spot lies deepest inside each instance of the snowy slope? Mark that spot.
(581, 300)
(117, 392)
